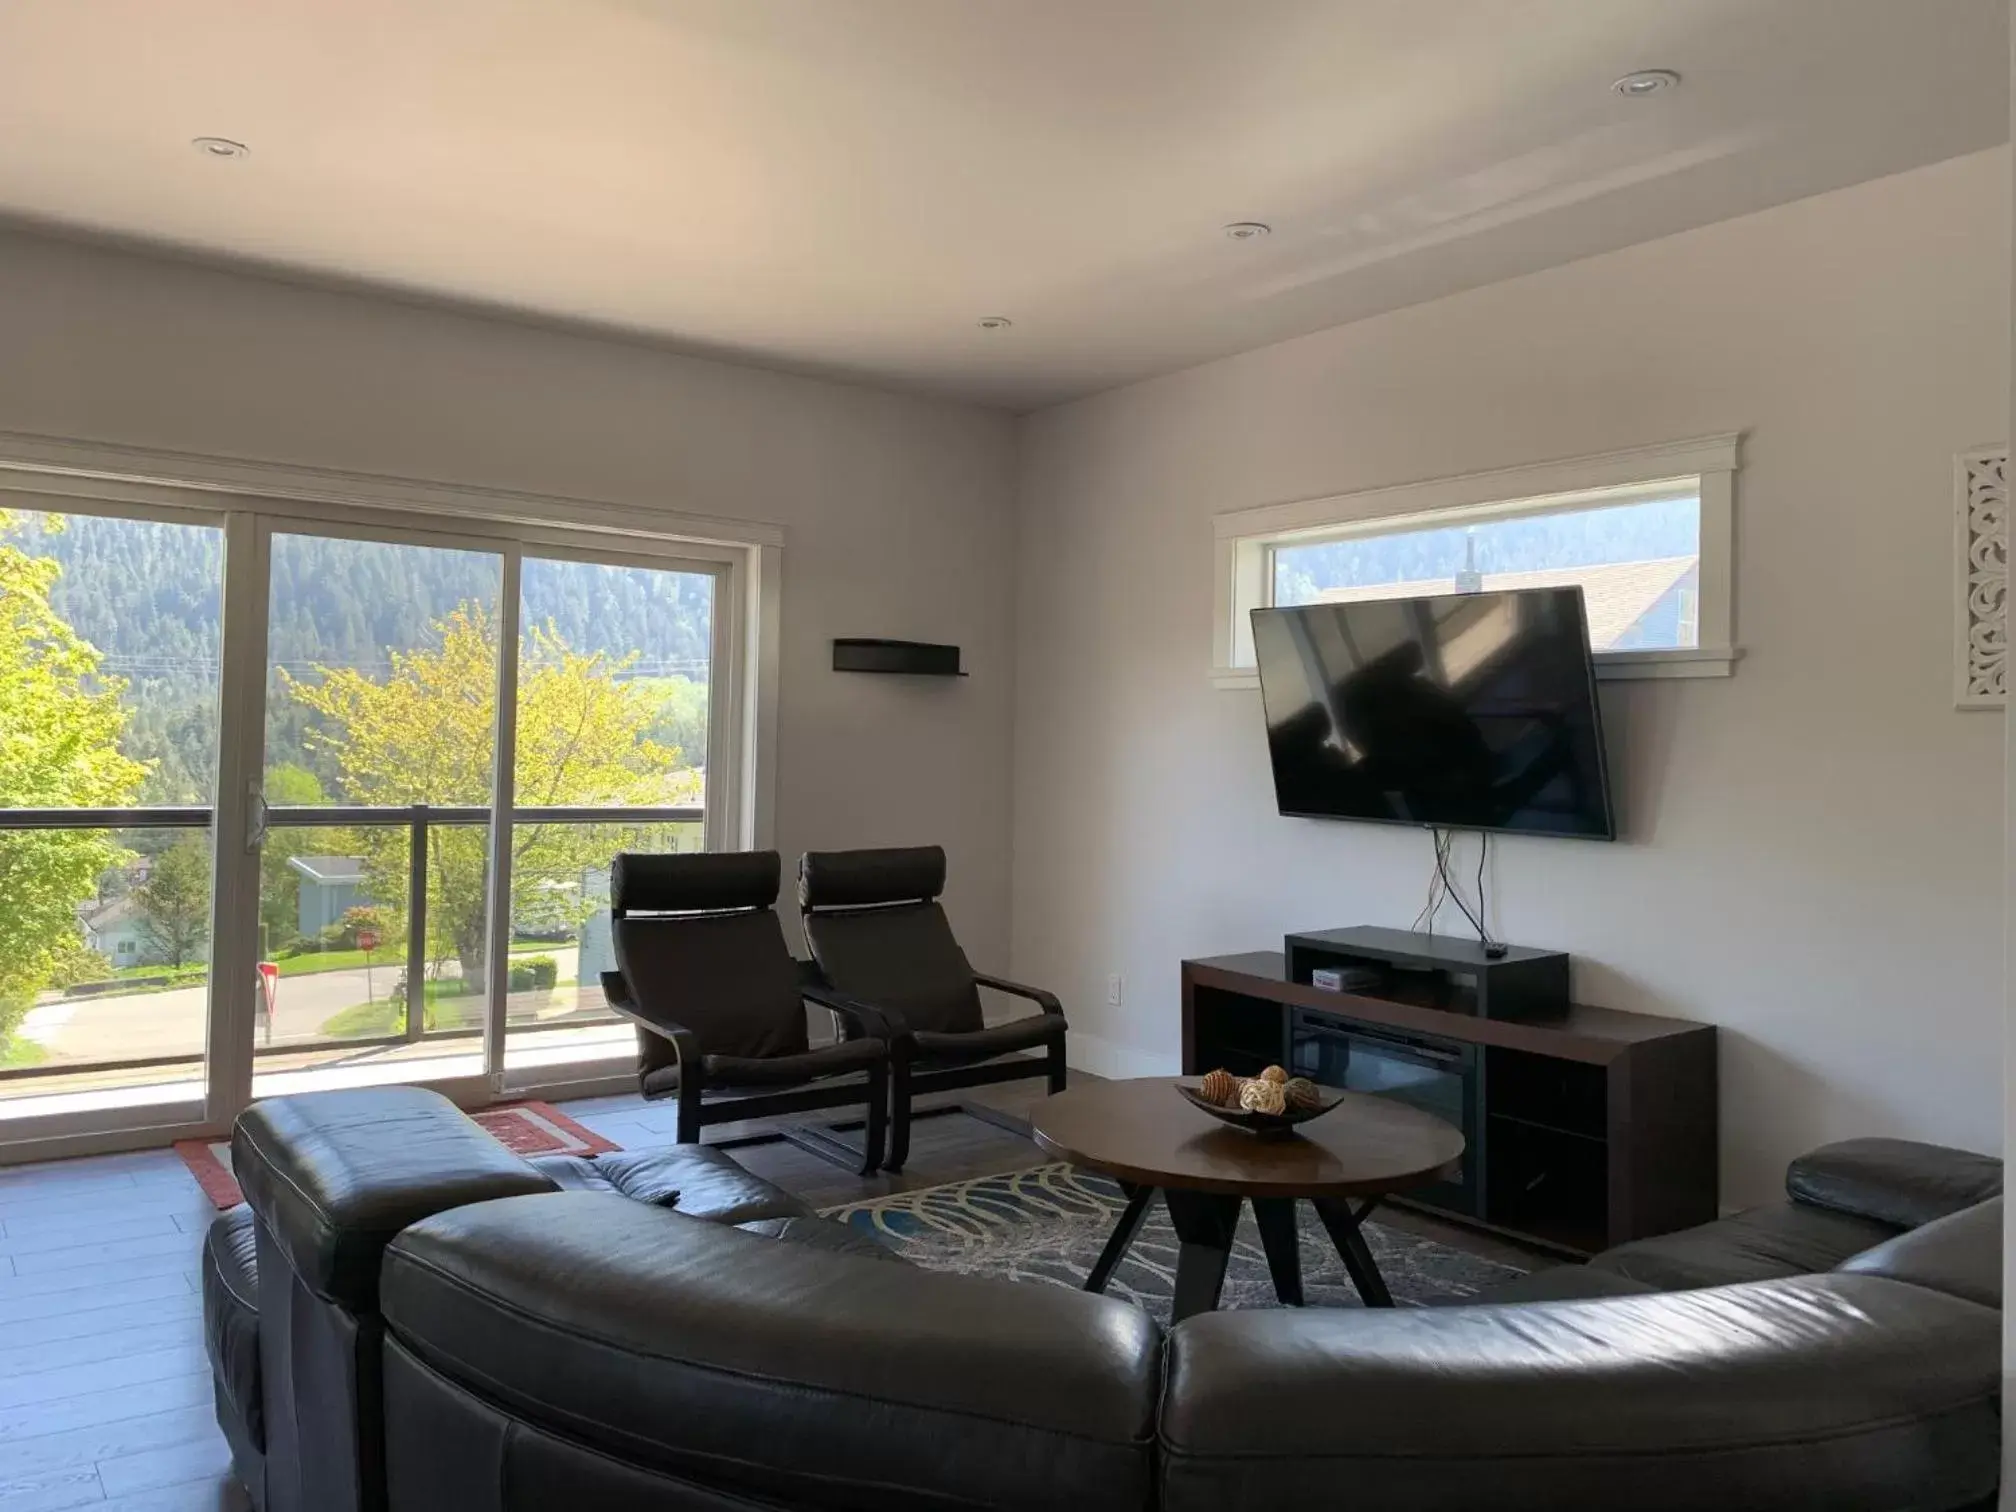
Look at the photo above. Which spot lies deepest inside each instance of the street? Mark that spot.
(132, 1026)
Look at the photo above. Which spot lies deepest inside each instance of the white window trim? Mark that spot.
(1244, 540)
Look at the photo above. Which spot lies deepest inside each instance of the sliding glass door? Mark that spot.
(110, 646)
(377, 776)
(614, 680)
(439, 735)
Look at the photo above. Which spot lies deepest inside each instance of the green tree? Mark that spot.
(287, 785)
(681, 720)
(425, 733)
(175, 900)
(60, 724)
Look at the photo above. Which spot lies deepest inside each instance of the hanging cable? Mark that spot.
(1476, 923)
(1437, 877)
(1483, 905)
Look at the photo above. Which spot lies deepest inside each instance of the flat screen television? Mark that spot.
(1465, 711)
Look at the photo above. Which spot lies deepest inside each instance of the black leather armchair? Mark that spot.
(719, 1003)
(877, 934)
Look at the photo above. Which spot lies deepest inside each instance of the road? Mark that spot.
(140, 1024)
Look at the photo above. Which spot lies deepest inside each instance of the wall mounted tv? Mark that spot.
(1464, 711)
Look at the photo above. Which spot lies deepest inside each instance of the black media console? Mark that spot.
(1586, 1126)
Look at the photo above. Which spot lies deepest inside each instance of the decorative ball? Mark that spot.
(1220, 1088)
(1275, 1075)
(1302, 1095)
(1262, 1096)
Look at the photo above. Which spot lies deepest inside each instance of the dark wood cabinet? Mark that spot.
(1587, 1127)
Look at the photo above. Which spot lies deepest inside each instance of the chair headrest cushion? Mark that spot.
(862, 878)
(695, 882)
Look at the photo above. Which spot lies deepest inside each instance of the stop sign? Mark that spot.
(367, 939)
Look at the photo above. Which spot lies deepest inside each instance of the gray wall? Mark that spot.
(1812, 851)
(896, 509)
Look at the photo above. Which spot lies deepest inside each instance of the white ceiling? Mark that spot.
(845, 186)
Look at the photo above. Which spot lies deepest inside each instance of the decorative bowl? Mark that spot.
(1262, 1125)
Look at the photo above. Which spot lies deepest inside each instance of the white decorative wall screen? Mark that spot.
(1981, 599)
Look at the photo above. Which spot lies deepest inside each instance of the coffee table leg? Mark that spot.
(1204, 1223)
(1343, 1225)
(1278, 1236)
(1138, 1199)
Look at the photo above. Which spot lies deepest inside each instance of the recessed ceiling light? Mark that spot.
(994, 322)
(221, 147)
(1646, 81)
(1248, 230)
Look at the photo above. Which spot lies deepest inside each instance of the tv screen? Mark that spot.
(1467, 711)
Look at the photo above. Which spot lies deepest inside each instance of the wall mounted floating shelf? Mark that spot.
(914, 658)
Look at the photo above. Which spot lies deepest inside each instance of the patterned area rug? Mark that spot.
(1050, 1222)
(525, 1128)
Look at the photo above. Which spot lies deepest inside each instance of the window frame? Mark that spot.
(1245, 540)
(250, 502)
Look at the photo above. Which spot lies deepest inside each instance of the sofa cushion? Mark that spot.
(334, 1175)
(1896, 1181)
(1561, 1283)
(698, 1180)
(1820, 1393)
(1787, 1239)
(1960, 1254)
(823, 1234)
(654, 1175)
(231, 1318)
(571, 1173)
(768, 1372)
(709, 1184)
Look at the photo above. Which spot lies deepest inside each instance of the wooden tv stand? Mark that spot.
(1588, 1127)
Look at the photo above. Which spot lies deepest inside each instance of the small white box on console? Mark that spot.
(1343, 978)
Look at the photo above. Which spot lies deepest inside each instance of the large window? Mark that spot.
(338, 804)
(110, 645)
(1645, 536)
(614, 699)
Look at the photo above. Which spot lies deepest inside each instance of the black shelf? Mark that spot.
(903, 658)
(1544, 1128)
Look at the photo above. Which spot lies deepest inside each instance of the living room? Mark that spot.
(643, 360)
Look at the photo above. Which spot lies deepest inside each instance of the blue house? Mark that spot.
(330, 887)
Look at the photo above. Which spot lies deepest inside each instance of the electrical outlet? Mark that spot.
(1116, 990)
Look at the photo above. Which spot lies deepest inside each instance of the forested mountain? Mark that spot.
(1619, 533)
(149, 596)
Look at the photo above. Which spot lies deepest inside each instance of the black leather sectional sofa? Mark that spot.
(406, 1316)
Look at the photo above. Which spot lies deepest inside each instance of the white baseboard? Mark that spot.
(1110, 1058)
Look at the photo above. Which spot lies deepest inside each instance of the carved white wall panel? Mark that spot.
(1981, 607)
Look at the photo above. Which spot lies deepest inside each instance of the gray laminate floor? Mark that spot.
(104, 1391)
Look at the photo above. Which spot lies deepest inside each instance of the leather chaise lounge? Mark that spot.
(422, 1321)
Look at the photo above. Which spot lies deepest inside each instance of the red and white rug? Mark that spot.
(526, 1128)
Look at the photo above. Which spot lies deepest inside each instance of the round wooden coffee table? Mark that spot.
(1150, 1140)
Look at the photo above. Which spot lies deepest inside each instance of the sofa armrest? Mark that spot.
(333, 1176)
(1718, 1398)
(1960, 1253)
(1895, 1181)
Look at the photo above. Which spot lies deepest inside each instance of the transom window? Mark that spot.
(1650, 553)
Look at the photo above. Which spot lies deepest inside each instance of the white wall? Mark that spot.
(896, 510)
(1812, 853)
